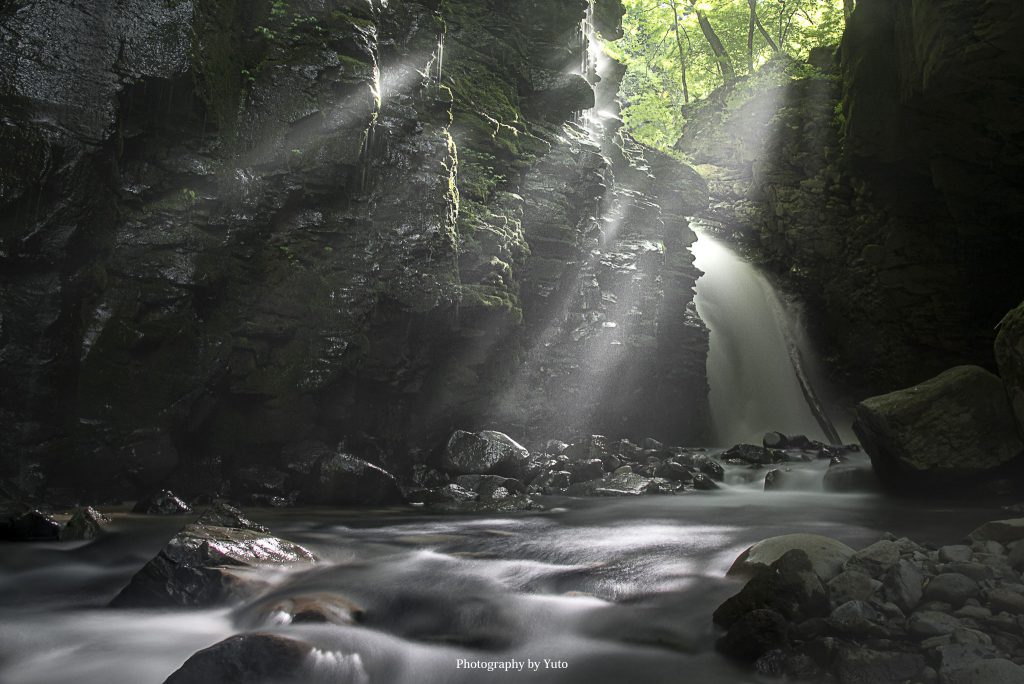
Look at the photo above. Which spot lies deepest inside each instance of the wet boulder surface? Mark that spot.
(206, 565)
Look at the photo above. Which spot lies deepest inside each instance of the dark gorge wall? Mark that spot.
(886, 186)
(236, 233)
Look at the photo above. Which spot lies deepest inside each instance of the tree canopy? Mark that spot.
(681, 50)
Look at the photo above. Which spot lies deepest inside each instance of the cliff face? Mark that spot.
(886, 186)
(234, 232)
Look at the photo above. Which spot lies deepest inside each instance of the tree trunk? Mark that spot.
(847, 8)
(750, 41)
(682, 52)
(757, 22)
(721, 55)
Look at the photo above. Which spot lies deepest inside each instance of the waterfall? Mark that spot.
(440, 58)
(756, 364)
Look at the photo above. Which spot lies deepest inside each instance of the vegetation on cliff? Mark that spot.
(680, 51)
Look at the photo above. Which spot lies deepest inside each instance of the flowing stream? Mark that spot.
(756, 367)
(608, 590)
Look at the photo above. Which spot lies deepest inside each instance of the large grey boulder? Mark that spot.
(934, 435)
(341, 479)
(200, 567)
(827, 555)
(485, 453)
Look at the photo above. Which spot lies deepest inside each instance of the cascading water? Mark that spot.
(754, 367)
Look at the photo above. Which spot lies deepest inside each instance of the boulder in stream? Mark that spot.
(827, 555)
(205, 565)
(340, 479)
(934, 435)
(262, 658)
(163, 502)
(485, 453)
(85, 523)
(31, 525)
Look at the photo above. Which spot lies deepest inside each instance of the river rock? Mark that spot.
(624, 484)
(850, 477)
(930, 623)
(857, 665)
(709, 466)
(989, 671)
(754, 634)
(955, 553)
(877, 559)
(30, 526)
(704, 483)
(749, 453)
(221, 514)
(856, 620)
(933, 435)
(951, 588)
(85, 523)
(341, 479)
(318, 608)
(904, 585)
(788, 586)
(1002, 531)
(200, 567)
(1003, 599)
(851, 585)
(484, 453)
(827, 555)
(163, 502)
(590, 469)
(250, 658)
(676, 472)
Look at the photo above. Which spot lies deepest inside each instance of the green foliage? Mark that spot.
(653, 86)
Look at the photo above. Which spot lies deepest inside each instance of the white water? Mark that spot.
(754, 388)
(620, 590)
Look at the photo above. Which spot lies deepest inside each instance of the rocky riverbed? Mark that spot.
(611, 586)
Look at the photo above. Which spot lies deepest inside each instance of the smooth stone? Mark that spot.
(929, 623)
(877, 559)
(827, 555)
(249, 658)
(954, 554)
(951, 588)
(1001, 599)
(1002, 531)
(856, 619)
(904, 585)
(852, 585)
(990, 671)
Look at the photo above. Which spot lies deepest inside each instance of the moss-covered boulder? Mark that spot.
(941, 434)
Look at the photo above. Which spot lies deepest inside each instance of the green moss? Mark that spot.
(489, 297)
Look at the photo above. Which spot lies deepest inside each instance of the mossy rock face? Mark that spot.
(1010, 357)
(942, 434)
